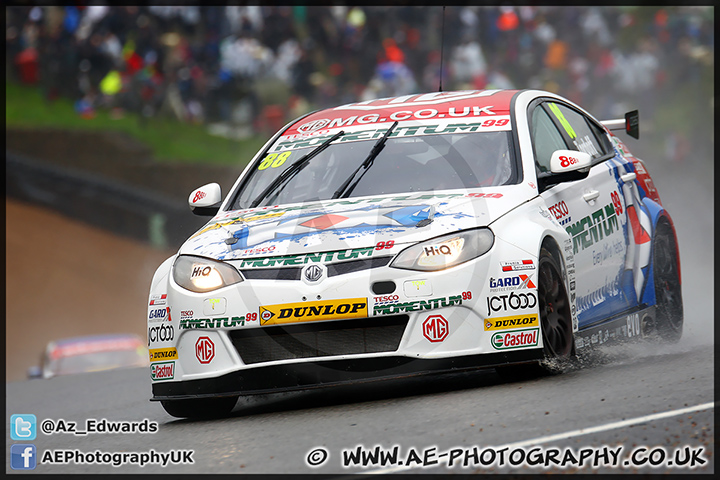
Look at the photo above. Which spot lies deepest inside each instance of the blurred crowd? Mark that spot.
(259, 66)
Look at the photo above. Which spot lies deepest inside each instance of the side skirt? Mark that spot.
(631, 326)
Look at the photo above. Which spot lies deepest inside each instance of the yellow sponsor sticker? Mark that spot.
(157, 354)
(313, 311)
(515, 321)
(247, 219)
(263, 216)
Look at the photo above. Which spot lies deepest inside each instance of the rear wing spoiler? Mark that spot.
(631, 124)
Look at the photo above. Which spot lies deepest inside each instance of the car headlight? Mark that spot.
(199, 274)
(445, 251)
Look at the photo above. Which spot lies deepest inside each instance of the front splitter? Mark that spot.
(328, 373)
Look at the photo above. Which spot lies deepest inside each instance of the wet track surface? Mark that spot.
(275, 434)
(630, 397)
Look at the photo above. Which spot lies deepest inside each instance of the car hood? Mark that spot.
(345, 224)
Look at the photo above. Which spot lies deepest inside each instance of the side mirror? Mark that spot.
(34, 372)
(206, 200)
(563, 161)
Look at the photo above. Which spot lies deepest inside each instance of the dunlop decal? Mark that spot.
(313, 311)
(515, 321)
(163, 354)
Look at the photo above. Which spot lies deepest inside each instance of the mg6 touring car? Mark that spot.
(403, 236)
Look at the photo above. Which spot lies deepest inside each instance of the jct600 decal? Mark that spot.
(514, 301)
(163, 333)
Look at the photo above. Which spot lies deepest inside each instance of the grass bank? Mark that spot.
(170, 140)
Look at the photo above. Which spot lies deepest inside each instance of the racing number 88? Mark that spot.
(274, 160)
(567, 161)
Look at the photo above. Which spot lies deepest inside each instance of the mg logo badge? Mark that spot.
(435, 328)
(314, 272)
(313, 126)
(204, 350)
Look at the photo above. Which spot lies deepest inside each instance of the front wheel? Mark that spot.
(555, 323)
(555, 317)
(200, 407)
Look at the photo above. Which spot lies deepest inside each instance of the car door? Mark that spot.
(591, 209)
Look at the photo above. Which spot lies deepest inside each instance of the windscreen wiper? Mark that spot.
(294, 169)
(366, 164)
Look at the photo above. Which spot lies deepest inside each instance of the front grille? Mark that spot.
(293, 273)
(356, 265)
(319, 339)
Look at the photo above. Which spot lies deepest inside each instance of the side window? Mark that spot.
(578, 129)
(546, 139)
(602, 137)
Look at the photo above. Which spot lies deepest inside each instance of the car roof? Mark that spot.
(447, 105)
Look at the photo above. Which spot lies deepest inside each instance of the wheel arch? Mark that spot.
(161, 274)
(660, 218)
(550, 244)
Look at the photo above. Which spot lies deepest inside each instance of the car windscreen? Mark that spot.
(406, 164)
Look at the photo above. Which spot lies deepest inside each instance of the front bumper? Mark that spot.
(431, 322)
(319, 374)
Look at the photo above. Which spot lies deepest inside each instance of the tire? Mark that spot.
(668, 290)
(200, 408)
(555, 317)
(555, 324)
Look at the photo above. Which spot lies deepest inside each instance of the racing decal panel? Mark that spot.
(343, 224)
(596, 223)
(639, 196)
(611, 236)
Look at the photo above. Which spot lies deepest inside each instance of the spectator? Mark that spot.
(468, 64)
(208, 64)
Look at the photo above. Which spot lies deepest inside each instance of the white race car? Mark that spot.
(412, 235)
